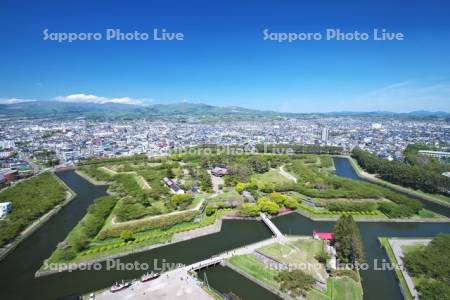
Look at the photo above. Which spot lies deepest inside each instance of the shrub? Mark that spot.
(291, 203)
(249, 210)
(268, 206)
(393, 210)
(240, 187)
(210, 210)
(352, 206)
(127, 235)
(347, 273)
(182, 200)
(297, 282)
(278, 198)
(322, 257)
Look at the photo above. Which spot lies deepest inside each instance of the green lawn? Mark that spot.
(345, 288)
(300, 253)
(314, 294)
(272, 177)
(252, 266)
(228, 194)
(339, 288)
(409, 248)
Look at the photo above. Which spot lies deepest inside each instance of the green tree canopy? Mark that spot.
(347, 240)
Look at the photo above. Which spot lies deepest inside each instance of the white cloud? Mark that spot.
(85, 98)
(14, 100)
(408, 96)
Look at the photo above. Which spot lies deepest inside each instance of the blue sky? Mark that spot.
(223, 59)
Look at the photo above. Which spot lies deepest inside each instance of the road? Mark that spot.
(177, 284)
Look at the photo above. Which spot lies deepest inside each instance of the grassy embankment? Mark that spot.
(104, 239)
(390, 253)
(30, 200)
(98, 249)
(301, 253)
(337, 196)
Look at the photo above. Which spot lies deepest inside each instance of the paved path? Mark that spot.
(287, 175)
(216, 182)
(248, 249)
(177, 284)
(396, 245)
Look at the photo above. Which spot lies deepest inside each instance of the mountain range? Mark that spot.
(61, 110)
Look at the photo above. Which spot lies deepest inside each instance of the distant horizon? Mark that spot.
(24, 101)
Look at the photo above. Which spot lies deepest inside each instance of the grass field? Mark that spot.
(228, 194)
(252, 266)
(299, 253)
(314, 294)
(345, 288)
(272, 177)
(339, 288)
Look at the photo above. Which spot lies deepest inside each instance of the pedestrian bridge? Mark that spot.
(248, 249)
(272, 227)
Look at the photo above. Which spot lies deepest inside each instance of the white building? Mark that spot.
(438, 154)
(5, 208)
(324, 134)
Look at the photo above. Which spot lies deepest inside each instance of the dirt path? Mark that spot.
(216, 182)
(287, 175)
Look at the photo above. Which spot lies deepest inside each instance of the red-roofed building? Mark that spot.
(325, 236)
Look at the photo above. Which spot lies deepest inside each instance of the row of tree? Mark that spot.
(30, 199)
(298, 149)
(80, 237)
(397, 172)
(431, 265)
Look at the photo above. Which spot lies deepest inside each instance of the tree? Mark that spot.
(240, 187)
(127, 235)
(170, 173)
(249, 210)
(291, 203)
(347, 240)
(267, 206)
(432, 261)
(182, 200)
(259, 165)
(210, 210)
(296, 281)
(433, 290)
(278, 198)
(322, 256)
(416, 173)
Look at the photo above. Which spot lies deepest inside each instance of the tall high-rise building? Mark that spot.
(325, 134)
